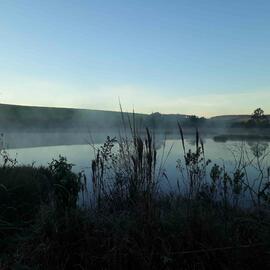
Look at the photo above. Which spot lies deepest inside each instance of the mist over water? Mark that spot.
(39, 149)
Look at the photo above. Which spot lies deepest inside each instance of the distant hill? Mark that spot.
(228, 120)
(17, 117)
(33, 118)
(231, 118)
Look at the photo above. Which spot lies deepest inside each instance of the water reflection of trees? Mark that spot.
(191, 141)
(161, 140)
(258, 148)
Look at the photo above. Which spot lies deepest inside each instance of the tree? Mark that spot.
(258, 115)
(258, 119)
(195, 121)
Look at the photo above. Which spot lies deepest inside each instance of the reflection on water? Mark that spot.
(77, 149)
(258, 148)
(32, 139)
(28, 139)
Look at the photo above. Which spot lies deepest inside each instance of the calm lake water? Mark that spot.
(40, 149)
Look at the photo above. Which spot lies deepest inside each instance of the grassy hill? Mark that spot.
(232, 118)
(33, 118)
(16, 117)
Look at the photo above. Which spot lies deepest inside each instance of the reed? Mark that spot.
(129, 221)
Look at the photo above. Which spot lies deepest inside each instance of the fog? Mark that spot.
(29, 126)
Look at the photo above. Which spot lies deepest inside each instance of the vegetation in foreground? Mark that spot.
(128, 222)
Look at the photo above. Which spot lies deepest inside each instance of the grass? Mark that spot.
(129, 222)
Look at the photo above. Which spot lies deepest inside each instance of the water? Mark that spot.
(40, 149)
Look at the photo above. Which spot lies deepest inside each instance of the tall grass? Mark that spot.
(130, 222)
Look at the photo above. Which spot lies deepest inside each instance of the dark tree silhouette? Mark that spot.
(258, 119)
(195, 121)
(258, 115)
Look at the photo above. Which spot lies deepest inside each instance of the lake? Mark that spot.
(41, 148)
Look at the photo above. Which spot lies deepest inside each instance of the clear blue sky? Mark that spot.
(195, 56)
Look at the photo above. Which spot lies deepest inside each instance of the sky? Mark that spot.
(203, 57)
